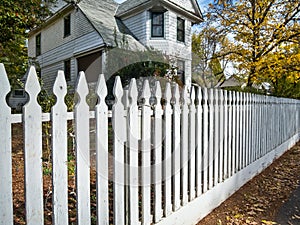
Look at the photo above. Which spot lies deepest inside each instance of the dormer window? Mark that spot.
(67, 25)
(180, 30)
(38, 44)
(157, 26)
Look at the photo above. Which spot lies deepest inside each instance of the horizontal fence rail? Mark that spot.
(166, 156)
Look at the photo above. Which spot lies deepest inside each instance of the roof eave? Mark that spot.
(66, 9)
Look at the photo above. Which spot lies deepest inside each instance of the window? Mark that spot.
(67, 69)
(38, 44)
(180, 30)
(157, 26)
(180, 70)
(67, 25)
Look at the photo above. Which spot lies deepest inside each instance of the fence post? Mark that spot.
(216, 138)
(199, 142)
(205, 140)
(6, 199)
(32, 118)
(59, 152)
(211, 140)
(81, 115)
(101, 114)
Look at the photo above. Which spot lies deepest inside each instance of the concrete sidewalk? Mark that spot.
(289, 212)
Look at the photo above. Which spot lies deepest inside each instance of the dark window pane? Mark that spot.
(38, 44)
(180, 30)
(67, 25)
(157, 26)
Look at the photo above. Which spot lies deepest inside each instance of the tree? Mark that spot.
(258, 28)
(16, 18)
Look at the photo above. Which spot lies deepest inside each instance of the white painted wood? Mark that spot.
(237, 133)
(234, 128)
(184, 145)
(118, 122)
(225, 134)
(205, 151)
(211, 140)
(101, 115)
(193, 212)
(146, 154)
(157, 142)
(221, 137)
(32, 115)
(167, 152)
(243, 130)
(81, 114)
(6, 204)
(199, 141)
(59, 152)
(133, 145)
(216, 137)
(230, 128)
(192, 147)
(176, 166)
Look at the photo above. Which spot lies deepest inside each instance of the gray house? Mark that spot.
(79, 35)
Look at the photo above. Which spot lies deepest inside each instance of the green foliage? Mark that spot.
(16, 18)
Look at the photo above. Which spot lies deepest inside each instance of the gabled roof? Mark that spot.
(132, 6)
(101, 15)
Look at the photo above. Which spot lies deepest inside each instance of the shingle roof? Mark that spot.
(130, 4)
(101, 14)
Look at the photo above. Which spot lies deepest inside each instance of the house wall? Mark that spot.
(56, 48)
(137, 25)
(184, 4)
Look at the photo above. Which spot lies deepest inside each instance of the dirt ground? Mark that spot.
(258, 201)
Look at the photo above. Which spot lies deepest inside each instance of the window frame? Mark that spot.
(180, 30)
(67, 69)
(38, 44)
(162, 25)
(67, 25)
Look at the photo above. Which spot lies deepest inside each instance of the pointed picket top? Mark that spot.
(168, 93)
(193, 95)
(233, 97)
(101, 89)
(221, 96)
(225, 95)
(157, 92)
(184, 95)
(60, 86)
(118, 89)
(230, 97)
(211, 96)
(176, 94)
(205, 95)
(199, 96)
(133, 92)
(32, 85)
(82, 88)
(4, 83)
(146, 93)
(216, 96)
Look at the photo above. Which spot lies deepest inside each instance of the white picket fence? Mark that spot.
(172, 163)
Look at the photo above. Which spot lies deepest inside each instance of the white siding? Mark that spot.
(187, 4)
(137, 25)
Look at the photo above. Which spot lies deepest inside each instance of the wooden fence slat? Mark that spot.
(225, 135)
(234, 129)
(167, 152)
(118, 121)
(184, 145)
(192, 150)
(101, 114)
(222, 153)
(32, 119)
(176, 149)
(82, 152)
(146, 154)
(205, 151)
(211, 140)
(216, 137)
(199, 140)
(6, 202)
(157, 142)
(59, 152)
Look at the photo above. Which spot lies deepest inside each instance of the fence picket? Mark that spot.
(184, 145)
(192, 150)
(205, 151)
(157, 142)
(216, 138)
(176, 149)
(101, 115)
(118, 153)
(211, 140)
(32, 119)
(59, 152)
(6, 203)
(230, 137)
(82, 152)
(167, 152)
(199, 140)
(146, 154)
(133, 145)
(226, 135)
(222, 153)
